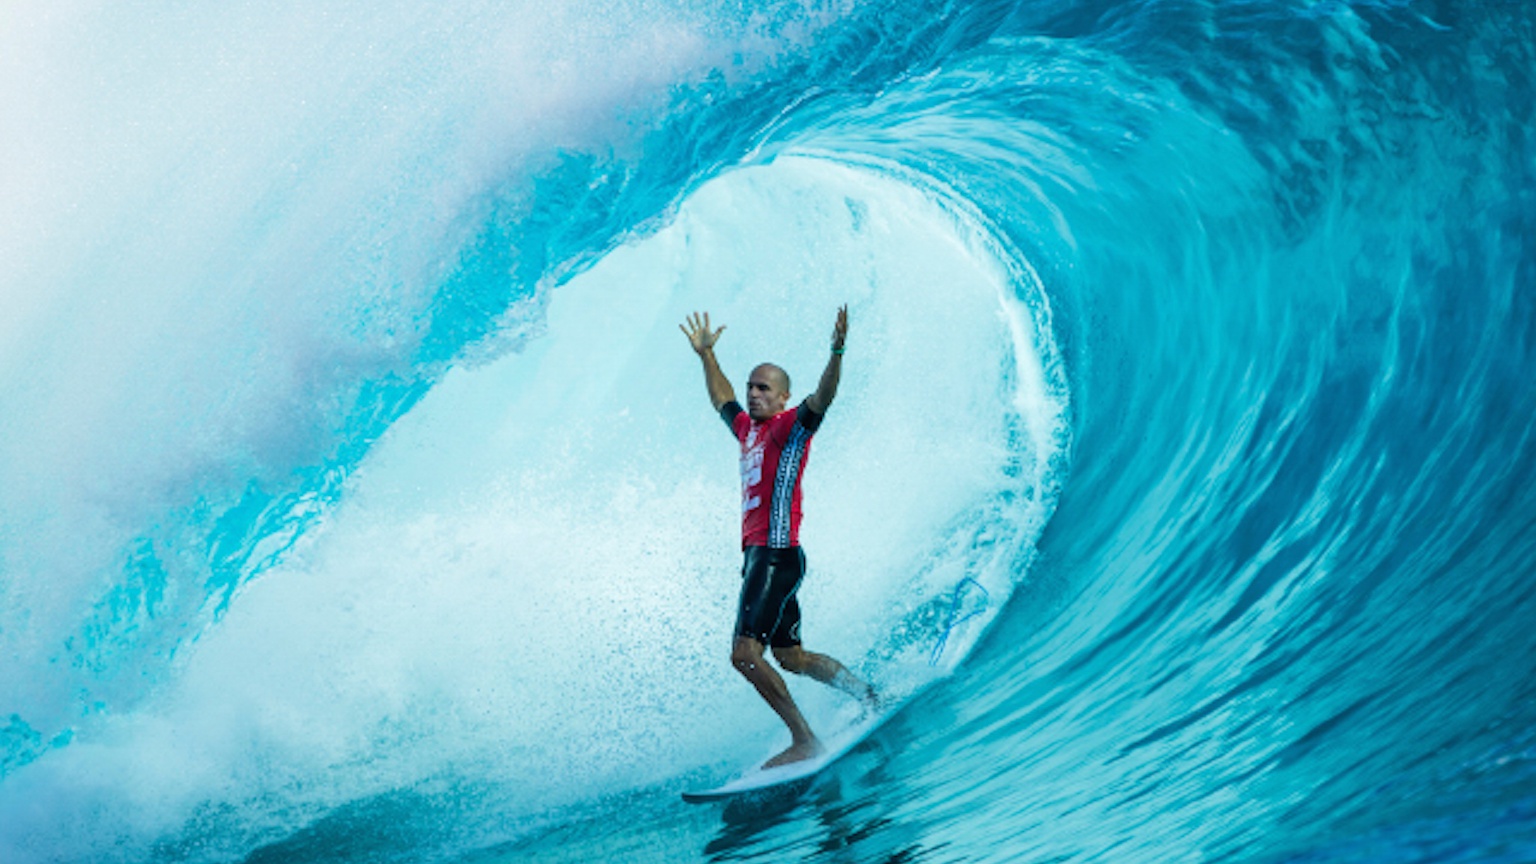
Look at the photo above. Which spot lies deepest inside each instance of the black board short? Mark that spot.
(768, 611)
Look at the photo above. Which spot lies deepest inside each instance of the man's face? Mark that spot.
(767, 392)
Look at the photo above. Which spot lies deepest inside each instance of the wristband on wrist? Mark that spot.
(838, 351)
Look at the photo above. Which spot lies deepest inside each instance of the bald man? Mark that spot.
(775, 444)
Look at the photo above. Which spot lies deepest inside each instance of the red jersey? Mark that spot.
(773, 457)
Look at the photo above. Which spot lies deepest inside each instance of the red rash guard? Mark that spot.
(773, 457)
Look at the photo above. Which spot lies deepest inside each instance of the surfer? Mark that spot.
(775, 444)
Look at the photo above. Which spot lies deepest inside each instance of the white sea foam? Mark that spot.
(530, 582)
(218, 223)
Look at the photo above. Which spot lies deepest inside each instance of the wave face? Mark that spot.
(362, 501)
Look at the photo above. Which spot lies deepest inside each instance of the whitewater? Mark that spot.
(361, 501)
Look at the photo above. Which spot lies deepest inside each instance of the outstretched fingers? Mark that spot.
(697, 330)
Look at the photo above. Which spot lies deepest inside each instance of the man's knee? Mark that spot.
(746, 654)
(791, 659)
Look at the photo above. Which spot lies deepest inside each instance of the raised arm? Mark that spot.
(703, 341)
(826, 391)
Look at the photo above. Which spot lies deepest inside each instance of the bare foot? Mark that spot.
(796, 753)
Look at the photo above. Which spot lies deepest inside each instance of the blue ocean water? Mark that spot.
(362, 502)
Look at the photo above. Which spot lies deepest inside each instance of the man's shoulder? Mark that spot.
(786, 418)
(808, 418)
(736, 418)
(780, 425)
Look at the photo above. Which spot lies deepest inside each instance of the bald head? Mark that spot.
(767, 391)
(778, 374)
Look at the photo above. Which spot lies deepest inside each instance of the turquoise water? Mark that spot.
(363, 503)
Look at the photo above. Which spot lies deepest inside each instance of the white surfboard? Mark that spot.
(783, 777)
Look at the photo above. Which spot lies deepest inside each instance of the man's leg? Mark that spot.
(826, 670)
(747, 657)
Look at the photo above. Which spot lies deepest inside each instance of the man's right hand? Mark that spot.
(699, 335)
(703, 341)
